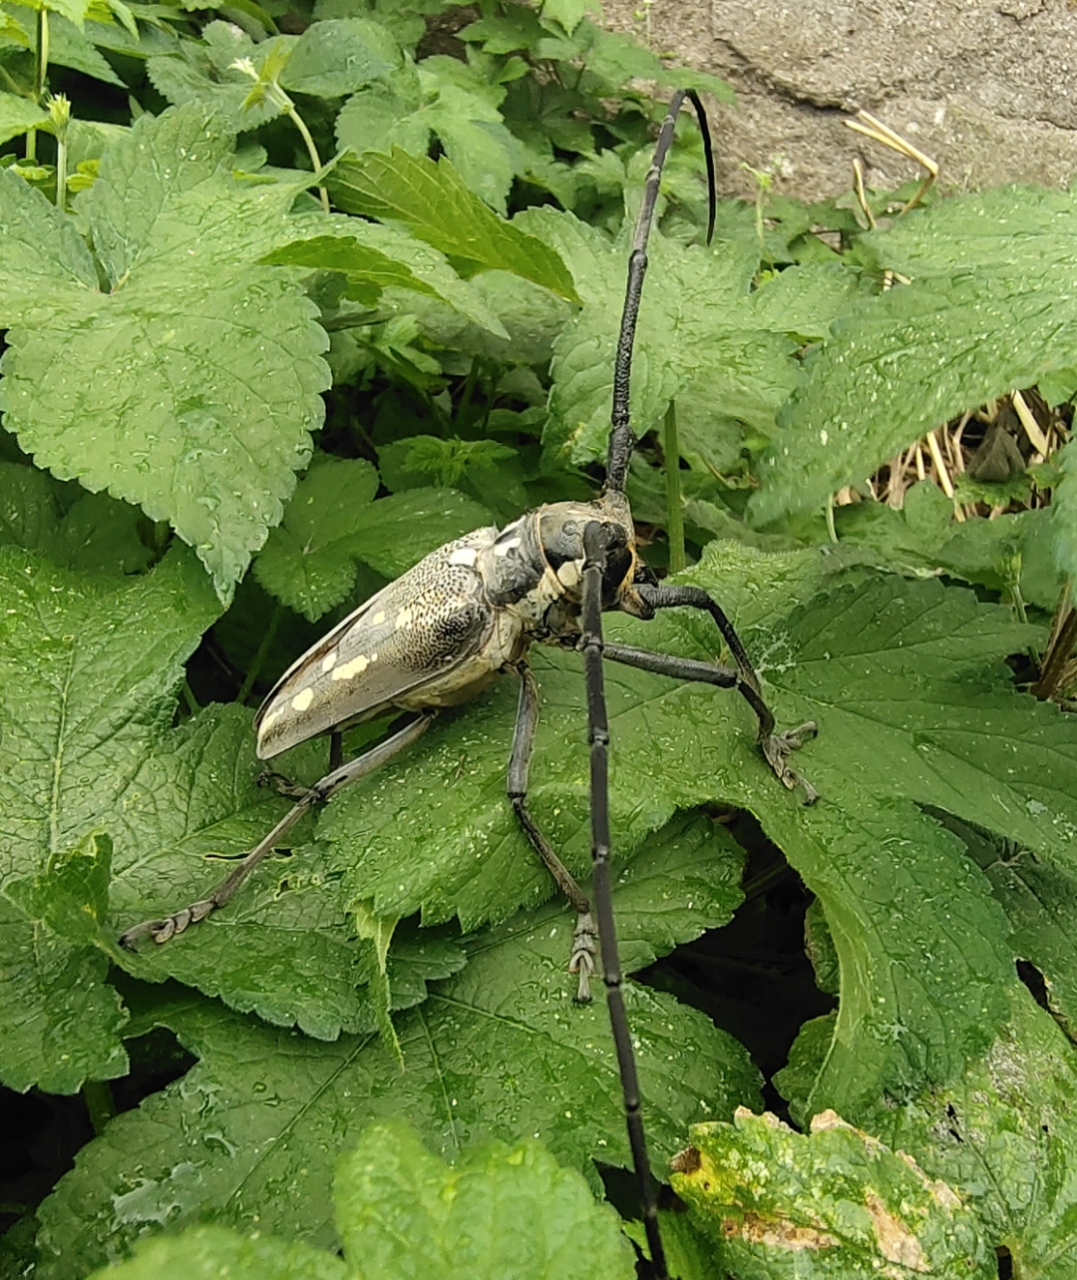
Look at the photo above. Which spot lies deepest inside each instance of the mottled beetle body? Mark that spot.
(439, 634)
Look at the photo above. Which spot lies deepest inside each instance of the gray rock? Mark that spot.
(985, 88)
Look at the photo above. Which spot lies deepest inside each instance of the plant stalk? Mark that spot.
(312, 150)
(99, 1104)
(260, 656)
(40, 68)
(675, 524)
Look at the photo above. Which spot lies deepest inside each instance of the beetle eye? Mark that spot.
(618, 568)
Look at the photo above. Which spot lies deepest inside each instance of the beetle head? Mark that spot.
(561, 527)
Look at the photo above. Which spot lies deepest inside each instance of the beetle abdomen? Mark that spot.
(415, 632)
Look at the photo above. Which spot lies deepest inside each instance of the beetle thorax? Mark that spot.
(533, 570)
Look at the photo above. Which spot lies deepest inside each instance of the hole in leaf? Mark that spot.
(753, 977)
(1005, 1263)
(1034, 981)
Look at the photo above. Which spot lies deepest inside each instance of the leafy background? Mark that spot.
(293, 294)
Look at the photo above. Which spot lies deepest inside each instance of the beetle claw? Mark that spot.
(584, 947)
(776, 749)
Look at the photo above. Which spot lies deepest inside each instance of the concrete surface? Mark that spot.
(985, 87)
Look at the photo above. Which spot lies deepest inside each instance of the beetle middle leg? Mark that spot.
(523, 740)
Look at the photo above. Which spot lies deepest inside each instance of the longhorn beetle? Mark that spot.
(470, 611)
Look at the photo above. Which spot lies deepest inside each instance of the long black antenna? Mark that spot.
(595, 537)
(622, 439)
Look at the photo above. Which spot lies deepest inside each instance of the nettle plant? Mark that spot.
(230, 416)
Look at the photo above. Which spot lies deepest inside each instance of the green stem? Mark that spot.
(40, 67)
(312, 150)
(830, 528)
(260, 656)
(61, 169)
(675, 527)
(188, 697)
(98, 1098)
(42, 54)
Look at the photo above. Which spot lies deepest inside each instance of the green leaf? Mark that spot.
(1064, 511)
(461, 108)
(192, 385)
(914, 706)
(1039, 896)
(698, 339)
(369, 271)
(17, 115)
(503, 1210)
(498, 1049)
(569, 13)
(395, 532)
(208, 1253)
(1003, 1137)
(385, 115)
(1013, 550)
(205, 74)
(447, 98)
(833, 1203)
(88, 669)
(68, 46)
(432, 200)
(338, 56)
(308, 562)
(63, 1020)
(96, 531)
(988, 310)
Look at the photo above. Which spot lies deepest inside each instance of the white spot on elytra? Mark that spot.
(303, 699)
(354, 668)
(330, 660)
(271, 718)
(403, 618)
(464, 555)
(378, 618)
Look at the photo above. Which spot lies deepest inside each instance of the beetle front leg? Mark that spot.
(582, 961)
(775, 747)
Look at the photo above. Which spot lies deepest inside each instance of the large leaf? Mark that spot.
(202, 73)
(207, 1253)
(433, 201)
(445, 97)
(191, 386)
(702, 339)
(17, 115)
(503, 1210)
(401, 1212)
(307, 562)
(496, 1051)
(1003, 1136)
(88, 671)
(832, 1203)
(989, 308)
(914, 706)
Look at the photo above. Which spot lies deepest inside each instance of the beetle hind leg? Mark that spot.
(585, 935)
(161, 931)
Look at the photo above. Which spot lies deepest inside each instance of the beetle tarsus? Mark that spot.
(283, 785)
(777, 747)
(584, 950)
